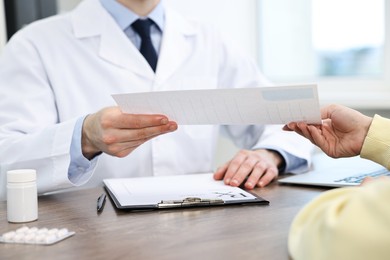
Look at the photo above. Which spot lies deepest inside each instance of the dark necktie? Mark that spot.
(142, 27)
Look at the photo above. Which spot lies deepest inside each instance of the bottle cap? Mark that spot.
(21, 175)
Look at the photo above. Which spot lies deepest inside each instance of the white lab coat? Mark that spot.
(58, 69)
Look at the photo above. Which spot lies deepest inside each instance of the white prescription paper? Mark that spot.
(144, 191)
(245, 106)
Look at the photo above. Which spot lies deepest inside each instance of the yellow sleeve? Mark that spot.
(344, 223)
(376, 146)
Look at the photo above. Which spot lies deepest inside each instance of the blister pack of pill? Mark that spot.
(36, 236)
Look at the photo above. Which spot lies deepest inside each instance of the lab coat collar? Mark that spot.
(176, 45)
(90, 19)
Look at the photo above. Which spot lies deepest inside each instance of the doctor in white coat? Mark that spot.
(57, 115)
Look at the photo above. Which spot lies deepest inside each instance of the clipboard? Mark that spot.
(179, 191)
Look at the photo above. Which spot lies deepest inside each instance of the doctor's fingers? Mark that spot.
(240, 168)
(113, 136)
(228, 170)
(255, 175)
(113, 117)
(123, 149)
(220, 172)
(269, 175)
(133, 121)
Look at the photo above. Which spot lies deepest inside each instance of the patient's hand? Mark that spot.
(372, 179)
(341, 134)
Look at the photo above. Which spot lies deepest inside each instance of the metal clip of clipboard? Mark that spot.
(190, 201)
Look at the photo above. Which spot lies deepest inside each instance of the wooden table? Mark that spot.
(233, 232)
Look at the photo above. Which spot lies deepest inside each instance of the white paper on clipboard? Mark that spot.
(150, 192)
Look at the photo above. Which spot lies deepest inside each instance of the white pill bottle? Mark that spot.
(22, 196)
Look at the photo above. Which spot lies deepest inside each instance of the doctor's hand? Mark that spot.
(341, 134)
(113, 132)
(253, 168)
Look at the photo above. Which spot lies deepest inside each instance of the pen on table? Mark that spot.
(100, 202)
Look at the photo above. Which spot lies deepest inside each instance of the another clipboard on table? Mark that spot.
(164, 192)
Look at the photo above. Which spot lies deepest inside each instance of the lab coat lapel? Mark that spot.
(175, 45)
(116, 48)
(91, 19)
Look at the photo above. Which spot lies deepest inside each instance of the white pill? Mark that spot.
(32, 230)
(19, 237)
(52, 231)
(22, 230)
(62, 232)
(34, 235)
(40, 238)
(9, 234)
(29, 238)
(42, 231)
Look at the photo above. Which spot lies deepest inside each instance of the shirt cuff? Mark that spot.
(80, 168)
